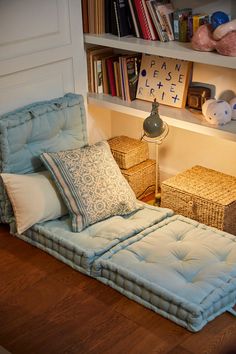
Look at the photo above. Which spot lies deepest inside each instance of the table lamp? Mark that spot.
(155, 131)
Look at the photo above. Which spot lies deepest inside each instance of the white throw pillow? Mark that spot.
(34, 198)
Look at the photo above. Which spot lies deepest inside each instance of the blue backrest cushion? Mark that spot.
(48, 126)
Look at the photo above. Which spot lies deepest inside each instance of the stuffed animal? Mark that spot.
(232, 103)
(222, 38)
(217, 112)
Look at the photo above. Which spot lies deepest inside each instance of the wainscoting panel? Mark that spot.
(29, 26)
(41, 51)
(40, 83)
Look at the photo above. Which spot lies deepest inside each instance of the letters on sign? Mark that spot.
(165, 79)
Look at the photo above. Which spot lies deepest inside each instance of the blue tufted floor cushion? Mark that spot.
(179, 268)
(80, 249)
(55, 125)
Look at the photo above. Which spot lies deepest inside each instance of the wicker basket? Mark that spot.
(128, 152)
(142, 178)
(202, 194)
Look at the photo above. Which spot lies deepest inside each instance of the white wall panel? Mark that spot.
(41, 51)
(28, 26)
(41, 83)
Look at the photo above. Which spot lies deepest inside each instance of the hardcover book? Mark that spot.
(111, 74)
(198, 20)
(166, 12)
(91, 53)
(130, 67)
(155, 20)
(85, 16)
(98, 79)
(146, 33)
(155, 5)
(105, 76)
(151, 26)
(122, 17)
(134, 19)
(182, 19)
(91, 16)
(117, 78)
(107, 9)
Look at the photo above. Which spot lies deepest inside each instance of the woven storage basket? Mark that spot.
(202, 194)
(142, 178)
(128, 152)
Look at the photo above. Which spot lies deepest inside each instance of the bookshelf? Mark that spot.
(172, 49)
(181, 118)
(176, 117)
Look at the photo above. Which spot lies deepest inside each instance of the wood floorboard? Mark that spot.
(46, 307)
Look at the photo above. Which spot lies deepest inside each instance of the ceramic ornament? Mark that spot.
(232, 103)
(217, 112)
(218, 18)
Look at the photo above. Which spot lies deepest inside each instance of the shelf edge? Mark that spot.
(166, 113)
(171, 49)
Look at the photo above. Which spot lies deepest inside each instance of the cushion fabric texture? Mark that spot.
(91, 184)
(54, 125)
(34, 198)
(79, 250)
(179, 268)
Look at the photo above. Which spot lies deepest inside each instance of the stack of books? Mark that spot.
(113, 74)
(93, 13)
(147, 19)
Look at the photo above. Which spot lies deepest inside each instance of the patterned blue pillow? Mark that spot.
(91, 184)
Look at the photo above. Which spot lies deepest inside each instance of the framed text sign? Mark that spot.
(165, 79)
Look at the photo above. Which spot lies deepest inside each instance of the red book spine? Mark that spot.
(111, 76)
(142, 19)
(151, 27)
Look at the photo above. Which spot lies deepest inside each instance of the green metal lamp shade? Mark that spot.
(153, 125)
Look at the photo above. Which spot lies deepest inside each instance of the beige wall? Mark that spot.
(99, 123)
(181, 149)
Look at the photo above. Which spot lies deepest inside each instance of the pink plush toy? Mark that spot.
(222, 39)
(203, 39)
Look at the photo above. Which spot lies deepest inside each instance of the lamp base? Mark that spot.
(153, 199)
(157, 201)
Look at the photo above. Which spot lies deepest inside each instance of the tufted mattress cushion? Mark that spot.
(179, 268)
(80, 249)
(25, 133)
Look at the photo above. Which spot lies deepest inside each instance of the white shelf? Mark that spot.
(176, 117)
(172, 49)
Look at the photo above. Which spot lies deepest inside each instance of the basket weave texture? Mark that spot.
(203, 194)
(141, 178)
(128, 152)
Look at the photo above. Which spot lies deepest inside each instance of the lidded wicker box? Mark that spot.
(128, 152)
(203, 194)
(141, 178)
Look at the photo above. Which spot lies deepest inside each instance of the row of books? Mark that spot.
(93, 14)
(148, 19)
(113, 74)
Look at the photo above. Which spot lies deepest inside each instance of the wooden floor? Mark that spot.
(47, 307)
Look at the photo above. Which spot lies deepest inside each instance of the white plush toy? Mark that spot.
(232, 103)
(217, 112)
